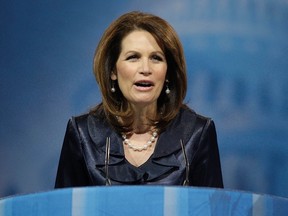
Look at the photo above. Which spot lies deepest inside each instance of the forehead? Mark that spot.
(139, 39)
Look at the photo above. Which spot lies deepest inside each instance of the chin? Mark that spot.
(144, 102)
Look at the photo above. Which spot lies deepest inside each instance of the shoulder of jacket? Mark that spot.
(188, 113)
(81, 121)
(79, 118)
(90, 121)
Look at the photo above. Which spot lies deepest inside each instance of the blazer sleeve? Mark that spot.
(72, 170)
(206, 170)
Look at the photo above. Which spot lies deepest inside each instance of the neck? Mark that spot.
(141, 118)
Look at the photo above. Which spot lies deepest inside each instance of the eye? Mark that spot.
(133, 57)
(157, 58)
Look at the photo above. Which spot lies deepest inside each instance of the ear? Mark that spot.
(113, 76)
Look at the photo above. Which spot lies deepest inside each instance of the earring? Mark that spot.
(113, 87)
(167, 91)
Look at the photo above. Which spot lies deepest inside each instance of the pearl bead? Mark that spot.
(140, 148)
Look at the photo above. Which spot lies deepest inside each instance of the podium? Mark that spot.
(143, 200)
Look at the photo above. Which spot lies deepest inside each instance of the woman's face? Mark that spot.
(140, 69)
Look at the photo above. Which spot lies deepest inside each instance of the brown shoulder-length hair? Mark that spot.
(114, 105)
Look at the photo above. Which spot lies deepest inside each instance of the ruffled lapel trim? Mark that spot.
(162, 161)
(181, 128)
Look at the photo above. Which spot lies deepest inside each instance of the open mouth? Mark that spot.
(144, 84)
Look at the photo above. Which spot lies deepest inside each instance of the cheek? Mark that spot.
(123, 71)
(162, 73)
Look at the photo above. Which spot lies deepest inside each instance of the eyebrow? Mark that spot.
(154, 52)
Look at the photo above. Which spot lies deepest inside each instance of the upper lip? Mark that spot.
(144, 82)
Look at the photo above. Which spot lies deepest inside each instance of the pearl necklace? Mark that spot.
(149, 143)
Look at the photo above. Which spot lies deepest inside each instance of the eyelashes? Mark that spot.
(157, 58)
(153, 58)
(132, 57)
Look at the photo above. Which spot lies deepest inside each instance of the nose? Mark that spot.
(145, 67)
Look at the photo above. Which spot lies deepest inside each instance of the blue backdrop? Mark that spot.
(236, 53)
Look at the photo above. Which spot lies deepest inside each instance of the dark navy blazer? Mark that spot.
(82, 160)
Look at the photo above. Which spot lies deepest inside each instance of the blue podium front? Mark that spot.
(143, 200)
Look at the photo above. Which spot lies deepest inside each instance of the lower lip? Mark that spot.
(141, 88)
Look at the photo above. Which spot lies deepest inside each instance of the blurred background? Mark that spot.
(237, 57)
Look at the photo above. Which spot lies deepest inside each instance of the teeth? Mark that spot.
(144, 84)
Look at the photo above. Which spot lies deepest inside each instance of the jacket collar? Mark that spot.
(179, 129)
(168, 142)
(162, 160)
